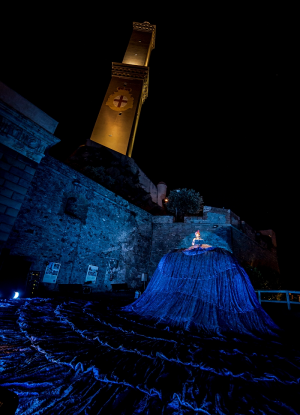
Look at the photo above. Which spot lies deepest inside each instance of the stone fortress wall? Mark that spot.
(97, 228)
(101, 229)
(51, 213)
(218, 227)
(25, 133)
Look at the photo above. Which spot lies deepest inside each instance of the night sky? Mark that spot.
(222, 107)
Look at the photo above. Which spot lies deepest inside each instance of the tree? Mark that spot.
(184, 201)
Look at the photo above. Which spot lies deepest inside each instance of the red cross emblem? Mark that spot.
(120, 101)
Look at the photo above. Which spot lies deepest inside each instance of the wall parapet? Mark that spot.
(23, 135)
(163, 219)
(26, 108)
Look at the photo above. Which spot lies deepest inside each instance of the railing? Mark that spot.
(286, 292)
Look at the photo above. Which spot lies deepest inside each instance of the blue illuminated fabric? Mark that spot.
(204, 290)
(75, 357)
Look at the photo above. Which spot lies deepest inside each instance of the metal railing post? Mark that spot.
(286, 292)
(288, 300)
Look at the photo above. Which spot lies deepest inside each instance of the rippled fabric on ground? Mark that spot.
(70, 358)
(203, 289)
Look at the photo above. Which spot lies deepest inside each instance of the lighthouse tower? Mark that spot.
(118, 118)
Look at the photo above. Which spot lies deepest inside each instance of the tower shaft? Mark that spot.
(118, 118)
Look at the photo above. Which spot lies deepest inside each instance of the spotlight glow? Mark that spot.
(16, 295)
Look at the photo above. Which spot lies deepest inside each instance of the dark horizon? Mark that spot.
(219, 117)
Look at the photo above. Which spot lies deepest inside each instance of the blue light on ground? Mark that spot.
(72, 357)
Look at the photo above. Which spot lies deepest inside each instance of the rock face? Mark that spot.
(67, 218)
(117, 173)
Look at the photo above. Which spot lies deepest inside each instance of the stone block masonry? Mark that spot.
(30, 111)
(25, 133)
(69, 219)
(16, 173)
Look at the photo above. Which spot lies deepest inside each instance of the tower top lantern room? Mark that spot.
(118, 118)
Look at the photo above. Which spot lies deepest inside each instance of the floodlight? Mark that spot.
(16, 295)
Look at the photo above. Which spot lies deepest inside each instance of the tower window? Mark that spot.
(135, 54)
(120, 113)
(110, 135)
(140, 41)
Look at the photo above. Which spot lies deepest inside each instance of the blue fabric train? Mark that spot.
(203, 289)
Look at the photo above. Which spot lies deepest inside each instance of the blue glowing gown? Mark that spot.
(203, 289)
